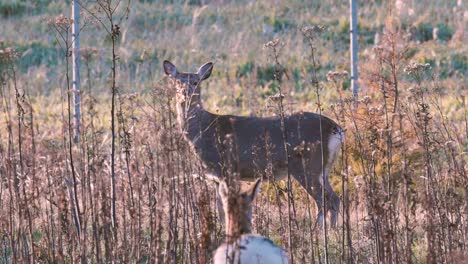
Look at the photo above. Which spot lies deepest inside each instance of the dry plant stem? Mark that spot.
(171, 245)
(396, 56)
(286, 149)
(50, 213)
(309, 215)
(125, 142)
(22, 204)
(392, 251)
(26, 198)
(113, 90)
(113, 29)
(422, 123)
(408, 212)
(360, 146)
(316, 85)
(63, 31)
(346, 238)
(13, 191)
(91, 147)
(75, 203)
(9, 76)
(386, 193)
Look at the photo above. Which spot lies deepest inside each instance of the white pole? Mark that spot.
(354, 49)
(76, 66)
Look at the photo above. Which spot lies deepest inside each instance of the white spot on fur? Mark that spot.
(336, 139)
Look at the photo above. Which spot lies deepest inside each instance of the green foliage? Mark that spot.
(428, 60)
(298, 84)
(272, 89)
(195, 2)
(411, 52)
(459, 62)
(173, 18)
(32, 54)
(366, 33)
(343, 26)
(210, 17)
(37, 235)
(444, 68)
(13, 8)
(423, 32)
(245, 69)
(108, 39)
(266, 74)
(451, 64)
(36, 54)
(346, 84)
(278, 24)
(239, 99)
(445, 32)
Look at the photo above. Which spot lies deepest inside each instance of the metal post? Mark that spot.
(354, 49)
(76, 66)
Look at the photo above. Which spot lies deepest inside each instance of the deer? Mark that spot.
(313, 141)
(241, 246)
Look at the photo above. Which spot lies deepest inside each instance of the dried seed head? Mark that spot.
(378, 49)
(272, 43)
(7, 56)
(88, 53)
(333, 76)
(276, 97)
(349, 100)
(312, 31)
(366, 99)
(61, 21)
(416, 68)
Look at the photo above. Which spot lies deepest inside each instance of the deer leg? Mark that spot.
(316, 192)
(220, 208)
(302, 171)
(333, 203)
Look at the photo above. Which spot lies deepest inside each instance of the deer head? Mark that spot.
(237, 208)
(188, 84)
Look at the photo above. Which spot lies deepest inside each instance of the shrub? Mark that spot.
(459, 62)
(36, 54)
(15, 8)
(423, 32)
(20, 7)
(267, 73)
(245, 69)
(445, 32)
(278, 24)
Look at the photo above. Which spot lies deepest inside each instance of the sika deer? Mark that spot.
(204, 132)
(241, 246)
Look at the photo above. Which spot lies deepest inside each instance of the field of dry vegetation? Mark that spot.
(125, 192)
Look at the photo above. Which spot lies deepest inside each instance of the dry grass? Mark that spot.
(401, 176)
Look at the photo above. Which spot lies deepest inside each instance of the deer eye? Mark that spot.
(195, 83)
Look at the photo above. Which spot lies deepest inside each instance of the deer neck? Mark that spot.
(236, 227)
(191, 115)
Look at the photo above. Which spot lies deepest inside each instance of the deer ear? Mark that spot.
(223, 190)
(255, 189)
(169, 68)
(205, 71)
